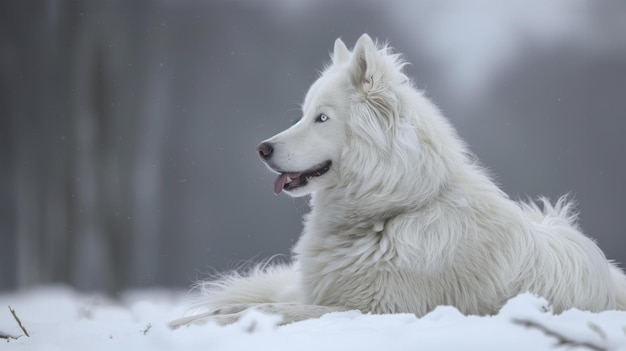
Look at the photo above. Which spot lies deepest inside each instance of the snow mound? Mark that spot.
(59, 318)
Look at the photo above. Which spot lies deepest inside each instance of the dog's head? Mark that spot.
(350, 130)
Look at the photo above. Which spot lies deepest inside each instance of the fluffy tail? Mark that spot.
(563, 214)
(619, 279)
(262, 284)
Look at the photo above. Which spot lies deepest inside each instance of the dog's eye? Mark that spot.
(321, 118)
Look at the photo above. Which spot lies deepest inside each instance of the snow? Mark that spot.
(59, 318)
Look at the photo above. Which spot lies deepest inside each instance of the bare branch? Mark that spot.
(8, 337)
(145, 331)
(18, 321)
(562, 340)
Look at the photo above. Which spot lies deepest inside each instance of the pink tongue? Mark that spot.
(280, 181)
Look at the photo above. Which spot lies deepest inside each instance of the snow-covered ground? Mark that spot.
(59, 318)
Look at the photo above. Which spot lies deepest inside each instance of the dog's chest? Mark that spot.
(384, 271)
(355, 269)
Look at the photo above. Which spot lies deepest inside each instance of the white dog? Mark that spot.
(402, 218)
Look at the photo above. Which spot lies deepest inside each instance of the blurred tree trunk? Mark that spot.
(68, 132)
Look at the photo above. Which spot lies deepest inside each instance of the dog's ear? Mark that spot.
(368, 67)
(372, 71)
(340, 52)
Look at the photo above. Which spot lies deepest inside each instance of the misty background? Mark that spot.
(128, 128)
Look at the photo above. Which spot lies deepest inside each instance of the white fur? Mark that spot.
(405, 220)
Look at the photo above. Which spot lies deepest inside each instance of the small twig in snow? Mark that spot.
(8, 337)
(562, 340)
(145, 331)
(18, 321)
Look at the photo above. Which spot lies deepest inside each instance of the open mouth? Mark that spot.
(293, 180)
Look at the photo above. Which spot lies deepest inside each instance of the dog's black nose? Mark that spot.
(265, 150)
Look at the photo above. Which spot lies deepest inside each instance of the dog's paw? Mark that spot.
(251, 316)
(283, 313)
(235, 308)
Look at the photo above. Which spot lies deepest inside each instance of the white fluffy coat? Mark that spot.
(405, 220)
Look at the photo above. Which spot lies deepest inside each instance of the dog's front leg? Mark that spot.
(289, 313)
